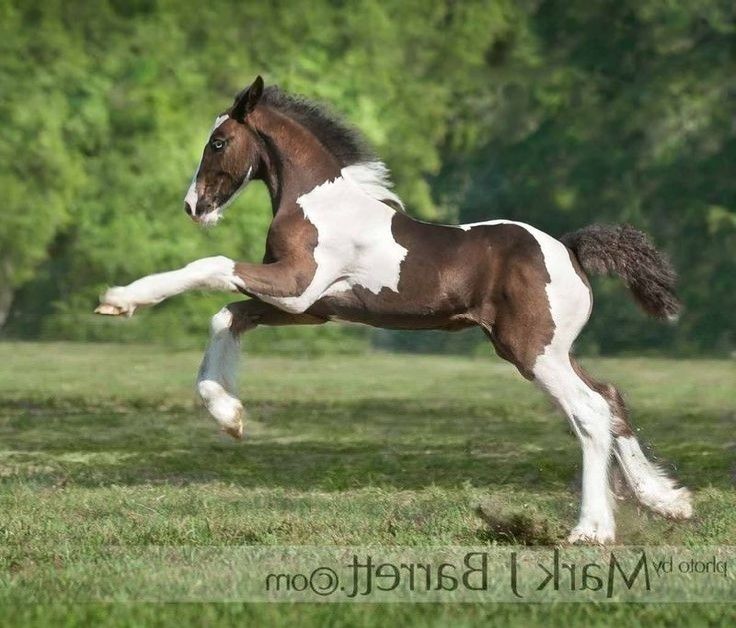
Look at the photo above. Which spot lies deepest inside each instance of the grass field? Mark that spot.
(104, 445)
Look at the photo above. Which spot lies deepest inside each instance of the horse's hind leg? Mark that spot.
(649, 484)
(591, 420)
(216, 378)
(596, 412)
(527, 332)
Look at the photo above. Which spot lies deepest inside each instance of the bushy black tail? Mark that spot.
(624, 251)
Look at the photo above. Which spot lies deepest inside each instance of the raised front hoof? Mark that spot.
(115, 303)
(590, 534)
(235, 429)
(677, 505)
(108, 309)
(224, 408)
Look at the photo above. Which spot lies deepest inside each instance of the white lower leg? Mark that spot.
(216, 379)
(649, 484)
(590, 417)
(209, 273)
(596, 522)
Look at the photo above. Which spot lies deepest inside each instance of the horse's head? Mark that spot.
(230, 158)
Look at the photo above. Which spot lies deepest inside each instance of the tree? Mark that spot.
(42, 170)
(557, 114)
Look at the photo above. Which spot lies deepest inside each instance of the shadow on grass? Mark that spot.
(307, 445)
(317, 445)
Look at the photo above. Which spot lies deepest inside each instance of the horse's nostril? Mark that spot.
(187, 209)
(203, 206)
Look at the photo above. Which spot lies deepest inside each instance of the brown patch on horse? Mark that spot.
(493, 276)
(289, 253)
(250, 314)
(521, 326)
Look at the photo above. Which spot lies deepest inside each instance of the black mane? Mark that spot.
(342, 140)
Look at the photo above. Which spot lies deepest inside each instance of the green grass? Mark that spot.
(104, 445)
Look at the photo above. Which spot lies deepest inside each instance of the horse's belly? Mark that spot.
(389, 309)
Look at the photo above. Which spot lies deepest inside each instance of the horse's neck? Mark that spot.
(296, 161)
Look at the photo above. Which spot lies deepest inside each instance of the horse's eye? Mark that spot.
(217, 144)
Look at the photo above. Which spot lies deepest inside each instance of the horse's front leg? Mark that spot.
(280, 280)
(287, 289)
(209, 273)
(216, 379)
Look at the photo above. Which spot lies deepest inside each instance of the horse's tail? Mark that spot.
(629, 253)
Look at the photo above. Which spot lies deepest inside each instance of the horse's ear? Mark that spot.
(247, 100)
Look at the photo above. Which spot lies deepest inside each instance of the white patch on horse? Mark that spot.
(355, 244)
(191, 197)
(374, 179)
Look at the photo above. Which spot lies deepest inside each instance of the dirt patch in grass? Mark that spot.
(514, 527)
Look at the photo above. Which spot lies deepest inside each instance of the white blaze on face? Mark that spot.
(191, 198)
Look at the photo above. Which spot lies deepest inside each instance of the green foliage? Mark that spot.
(554, 114)
(42, 165)
(620, 112)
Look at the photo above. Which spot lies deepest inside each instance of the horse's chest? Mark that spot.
(355, 243)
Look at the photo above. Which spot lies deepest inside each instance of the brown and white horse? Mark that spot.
(340, 248)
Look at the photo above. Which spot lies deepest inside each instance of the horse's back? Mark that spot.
(452, 276)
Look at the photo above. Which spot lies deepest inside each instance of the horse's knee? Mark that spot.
(245, 316)
(221, 321)
(620, 423)
(587, 409)
(595, 428)
(236, 317)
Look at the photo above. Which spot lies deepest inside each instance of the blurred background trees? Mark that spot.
(558, 114)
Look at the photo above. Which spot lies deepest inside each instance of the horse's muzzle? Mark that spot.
(204, 206)
(201, 211)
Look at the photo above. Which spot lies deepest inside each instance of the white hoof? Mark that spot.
(226, 409)
(115, 303)
(675, 504)
(591, 534)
